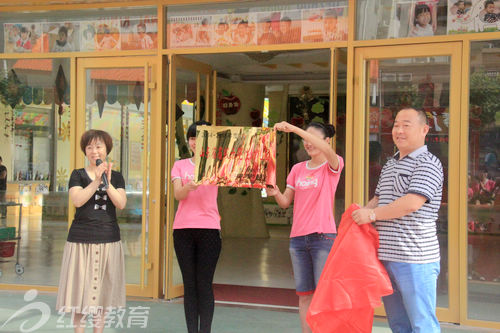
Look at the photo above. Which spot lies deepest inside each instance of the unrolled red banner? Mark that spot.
(235, 156)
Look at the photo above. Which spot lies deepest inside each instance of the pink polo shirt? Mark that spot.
(199, 208)
(314, 196)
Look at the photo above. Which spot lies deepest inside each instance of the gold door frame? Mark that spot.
(177, 61)
(149, 285)
(358, 159)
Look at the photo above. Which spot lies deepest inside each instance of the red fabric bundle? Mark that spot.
(352, 283)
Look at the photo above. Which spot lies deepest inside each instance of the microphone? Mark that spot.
(104, 177)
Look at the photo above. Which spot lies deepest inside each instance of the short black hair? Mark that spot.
(62, 28)
(191, 132)
(92, 135)
(422, 115)
(419, 9)
(327, 129)
(488, 2)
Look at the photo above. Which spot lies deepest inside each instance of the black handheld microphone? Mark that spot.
(104, 177)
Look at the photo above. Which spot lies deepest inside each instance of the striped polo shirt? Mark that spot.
(411, 238)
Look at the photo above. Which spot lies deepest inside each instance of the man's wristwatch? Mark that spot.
(372, 216)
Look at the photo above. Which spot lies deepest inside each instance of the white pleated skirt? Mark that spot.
(92, 278)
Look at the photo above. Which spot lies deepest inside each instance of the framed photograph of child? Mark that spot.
(23, 38)
(312, 25)
(221, 31)
(243, 28)
(181, 32)
(473, 16)
(335, 24)
(62, 36)
(139, 34)
(87, 36)
(423, 18)
(108, 35)
(204, 32)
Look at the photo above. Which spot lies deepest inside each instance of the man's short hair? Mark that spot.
(421, 114)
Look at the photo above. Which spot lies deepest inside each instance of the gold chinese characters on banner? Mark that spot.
(235, 156)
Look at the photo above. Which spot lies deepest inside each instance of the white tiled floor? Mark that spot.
(256, 262)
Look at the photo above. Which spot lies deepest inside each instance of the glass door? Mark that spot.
(119, 97)
(426, 77)
(190, 100)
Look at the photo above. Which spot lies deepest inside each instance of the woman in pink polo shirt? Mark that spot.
(311, 186)
(197, 240)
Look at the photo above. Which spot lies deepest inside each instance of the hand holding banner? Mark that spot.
(235, 156)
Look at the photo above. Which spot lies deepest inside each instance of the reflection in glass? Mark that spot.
(483, 218)
(35, 149)
(421, 83)
(340, 127)
(115, 102)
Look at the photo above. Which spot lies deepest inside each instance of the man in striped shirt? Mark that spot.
(405, 209)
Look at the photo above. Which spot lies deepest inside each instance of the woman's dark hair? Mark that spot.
(92, 135)
(191, 132)
(419, 9)
(327, 129)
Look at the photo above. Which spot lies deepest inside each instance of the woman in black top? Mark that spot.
(92, 277)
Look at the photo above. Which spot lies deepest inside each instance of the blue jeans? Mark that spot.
(412, 306)
(309, 254)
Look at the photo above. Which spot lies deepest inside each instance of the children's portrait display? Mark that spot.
(312, 25)
(87, 36)
(473, 16)
(421, 22)
(139, 34)
(221, 31)
(204, 32)
(62, 36)
(324, 24)
(335, 24)
(279, 27)
(181, 32)
(108, 35)
(259, 26)
(23, 38)
(242, 29)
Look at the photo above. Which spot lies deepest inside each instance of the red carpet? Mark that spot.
(258, 295)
